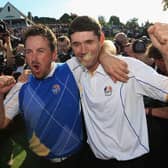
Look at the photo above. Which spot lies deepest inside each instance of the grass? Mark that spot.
(17, 157)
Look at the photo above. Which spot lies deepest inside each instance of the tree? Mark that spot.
(64, 18)
(165, 4)
(102, 20)
(132, 23)
(114, 20)
(133, 27)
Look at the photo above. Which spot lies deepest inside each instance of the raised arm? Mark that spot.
(159, 36)
(6, 83)
(9, 51)
(115, 67)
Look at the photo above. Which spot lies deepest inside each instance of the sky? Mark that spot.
(143, 10)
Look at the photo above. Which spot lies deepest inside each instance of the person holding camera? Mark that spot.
(6, 44)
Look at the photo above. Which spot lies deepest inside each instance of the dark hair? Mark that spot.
(62, 38)
(153, 52)
(85, 23)
(139, 46)
(44, 31)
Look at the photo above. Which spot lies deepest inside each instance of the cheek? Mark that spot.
(76, 51)
(27, 59)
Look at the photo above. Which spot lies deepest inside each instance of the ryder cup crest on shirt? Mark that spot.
(108, 90)
(56, 88)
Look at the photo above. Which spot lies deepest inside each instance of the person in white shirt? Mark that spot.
(114, 112)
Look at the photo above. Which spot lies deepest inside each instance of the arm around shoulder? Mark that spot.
(115, 67)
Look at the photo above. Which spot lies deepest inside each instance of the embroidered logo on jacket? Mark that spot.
(108, 90)
(56, 89)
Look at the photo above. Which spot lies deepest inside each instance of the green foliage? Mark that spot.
(18, 159)
(165, 4)
(114, 20)
(18, 156)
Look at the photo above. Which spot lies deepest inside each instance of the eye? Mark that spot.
(27, 52)
(89, 41)
(41, 50)
(75, 44)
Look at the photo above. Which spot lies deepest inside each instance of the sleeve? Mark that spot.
(11, 102)
(75, 67)
(148, 81)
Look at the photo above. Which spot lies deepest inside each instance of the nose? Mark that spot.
(83, 49)
(33, 56)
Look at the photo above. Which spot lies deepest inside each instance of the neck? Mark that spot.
(93, 68)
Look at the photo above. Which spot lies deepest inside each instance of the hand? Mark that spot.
(23, 78)
(159, 36)
(116, 68)
(6, 83)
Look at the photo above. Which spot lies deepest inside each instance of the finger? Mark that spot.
(159, 31)
(114, 79)
(123, 70)
(8, 80)
(120, 77)
(123, 66)
(5, 80)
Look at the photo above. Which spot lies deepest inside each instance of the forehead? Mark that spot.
(82, 36)
(62, 43)
(36, 41)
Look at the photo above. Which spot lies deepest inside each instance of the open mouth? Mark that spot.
(87, 56)
(36, 67)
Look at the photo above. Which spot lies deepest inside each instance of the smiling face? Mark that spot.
(39, 55)
(86, 47)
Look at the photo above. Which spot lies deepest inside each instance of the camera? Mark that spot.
(3, 29)
(19, 55)
(140, 45)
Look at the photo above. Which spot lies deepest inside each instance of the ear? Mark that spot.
(54, 55)
(102, 38)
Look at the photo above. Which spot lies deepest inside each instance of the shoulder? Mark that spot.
(136, 66)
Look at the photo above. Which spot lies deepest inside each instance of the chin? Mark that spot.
(39, 76)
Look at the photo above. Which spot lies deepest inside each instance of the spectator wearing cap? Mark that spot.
(120, 40)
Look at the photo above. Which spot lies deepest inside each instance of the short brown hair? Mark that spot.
(44, 31)
(85, 23)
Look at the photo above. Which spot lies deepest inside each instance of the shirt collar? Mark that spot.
(53, 67)
(99, 70)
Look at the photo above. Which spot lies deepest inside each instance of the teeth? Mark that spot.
(87, 56)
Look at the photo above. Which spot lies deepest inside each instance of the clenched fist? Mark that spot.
(6, 83)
